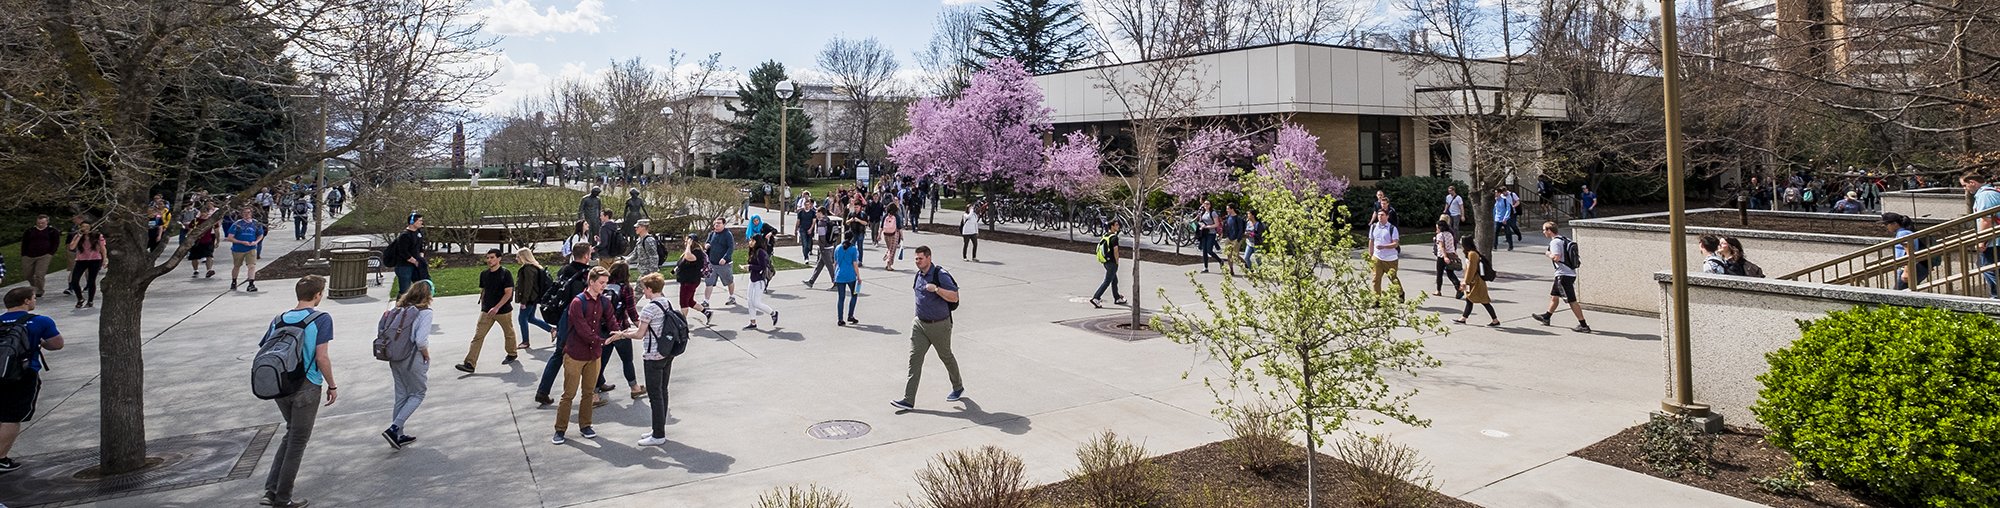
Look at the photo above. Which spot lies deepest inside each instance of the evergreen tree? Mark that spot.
(1044, 35)
(754, 153)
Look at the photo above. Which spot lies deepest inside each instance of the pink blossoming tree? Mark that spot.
(1203, 166)
(1299, 148)
(990, 135)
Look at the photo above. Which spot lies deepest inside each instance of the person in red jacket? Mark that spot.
(590, 320)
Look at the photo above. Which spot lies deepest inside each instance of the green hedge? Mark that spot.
(1904, 402)
(1419, 200)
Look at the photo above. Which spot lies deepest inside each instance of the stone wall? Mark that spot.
(1939, 203)
(1736, 320)
(1620, 257)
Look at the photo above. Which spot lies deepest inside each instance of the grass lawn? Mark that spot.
(17, 268)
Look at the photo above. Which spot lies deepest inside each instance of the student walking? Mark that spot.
(1232, 234)
(406, 255)
(760, 260)
(528, 288)
(721, 252)
(828, 240)
(610, 243)
(579, 234)
(203, 252)
(87, 250)
(1588, 202)
(645, 257)
(1711, 249)
(38, 249)
(17, 397)
(569, 282)
(301, 408)
(1454, 209)
(1899, 227)
(846, 281)
(1985, 198)
(937, 293)
(496, 298)
(663, 334)
(589, 321)
(246, 236)
(688, 273)
(1474, 287)
(623, 312)
(1385, 247)
(1205, 234)
(301, 210)
(1107, 255)
(892, 235)
(1503, 218)
(411, 319)
(1565, 284)
(968, 231)
(1514, 213)
(1253, 236)
(1442, 246)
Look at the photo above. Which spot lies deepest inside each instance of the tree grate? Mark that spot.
(65, 478)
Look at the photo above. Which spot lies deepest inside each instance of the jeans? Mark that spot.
(1443, 271)
(757, 305)
(555, 364)
(846, 299)
(1208, 246)
(299, 227)
(805, 244)
(1501, 228)
(1986, 257)
(87, 290)
(657, 372)
(924, 336)
(1589, 213)
(1249, 257)
(574, 372)
(412, 380)
(530, 314)
(624, 350)
(299, 409)
(1110, 281)
(403, 276)
(486, 322)
(970, 244)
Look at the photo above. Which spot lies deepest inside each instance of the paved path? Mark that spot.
(742, 400)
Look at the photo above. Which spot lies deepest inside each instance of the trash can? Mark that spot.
(350, 274)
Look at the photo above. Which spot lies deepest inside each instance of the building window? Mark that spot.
(1440, 148)
(1381, 147)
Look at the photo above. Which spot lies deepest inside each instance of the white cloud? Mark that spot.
(519, 18)
(518, 80)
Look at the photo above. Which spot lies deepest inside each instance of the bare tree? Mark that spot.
(862, 72)
(88, 79)
(950, 58)
(632, 94)
(692, 121)
(1147, 29)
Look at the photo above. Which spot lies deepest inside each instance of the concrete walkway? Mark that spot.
(742, 400)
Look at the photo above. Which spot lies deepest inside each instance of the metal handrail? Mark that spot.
(1945, 228)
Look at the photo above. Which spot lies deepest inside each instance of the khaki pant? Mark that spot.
(486, 322)
(574, 372)
(1379, 267)
(38, 271)
(923, 337)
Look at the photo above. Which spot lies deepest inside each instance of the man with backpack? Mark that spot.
(301, 210)
(610, 242)
(1107, 255)
(305, 330)
(22, 337)
(937, 296)
(647, 253)
(588, 323)
(1566, 256)
(555, 301)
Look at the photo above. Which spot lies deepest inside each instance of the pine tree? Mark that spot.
(754, 153)
(1044, 35)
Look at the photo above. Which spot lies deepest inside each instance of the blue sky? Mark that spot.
(545, 40)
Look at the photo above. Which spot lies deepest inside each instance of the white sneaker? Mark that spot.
(652, 441)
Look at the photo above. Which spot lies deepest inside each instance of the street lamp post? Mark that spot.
(786, 91)
(1683, 402)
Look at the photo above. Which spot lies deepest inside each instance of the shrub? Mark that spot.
(810, 496)
(1386, 474)
(1115, 473)
(1675, 444)
(987, 477)
(1901, 401)
(1793, 480)
(1263, 441)
(1419, 200)
(1209, 496)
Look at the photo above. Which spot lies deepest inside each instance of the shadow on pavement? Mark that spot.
(1006, 422)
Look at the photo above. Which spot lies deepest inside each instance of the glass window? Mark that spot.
(1440, 141)
(1381, 147)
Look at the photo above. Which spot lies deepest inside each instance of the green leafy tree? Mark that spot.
(1306, 329)
(753, 154)
(1044, 35)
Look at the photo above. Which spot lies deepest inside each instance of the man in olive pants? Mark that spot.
(936, 293)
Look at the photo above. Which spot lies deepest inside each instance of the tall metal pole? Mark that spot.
(1670, 61)
(784, 138)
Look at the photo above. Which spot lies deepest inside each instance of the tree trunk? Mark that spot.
(1312, 433)
(122, 426)
(1138, 242)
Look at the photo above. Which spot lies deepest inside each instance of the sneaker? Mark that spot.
(839, 323)
(707, 315)
(649, 440)
(233, 284)
(704, 303)
(902, 405)
(390, 435)
(295, 503)
(1581, 328)
(588, 433)
(195, 275)
(252, 288)
(543, 399)
(211, 274)
(852, 321)
(955, 394)
(751, 326)
(1120, 301)
(464, 367)
(67, 293)
(1097, 303)
(1204, 270)
(1544, 318)
(732, 300)
(8, 465)
(807, 283)
(405, 440)
(774, 318)
(510, 359)
(558, 439)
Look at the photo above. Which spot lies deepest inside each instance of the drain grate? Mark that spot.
(837, 430)
(58, 479)
(1116, 326)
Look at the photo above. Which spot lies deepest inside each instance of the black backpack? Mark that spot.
(279, 369)
(542, 282)
(677, 327)
(555, 300)
(659, 249)
(16, 348)
(933, 279)
(1572, 254)
(613, 244)
(1486, 272)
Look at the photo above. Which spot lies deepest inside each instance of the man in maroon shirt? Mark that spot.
(591, 321)
(38, 248)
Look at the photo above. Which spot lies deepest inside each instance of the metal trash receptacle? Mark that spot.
(350, 274)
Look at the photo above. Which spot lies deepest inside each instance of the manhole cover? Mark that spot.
(1116, 326)
(837, 429)
(64, 478)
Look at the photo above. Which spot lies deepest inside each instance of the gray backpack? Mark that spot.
(279, 369)
(393, 342)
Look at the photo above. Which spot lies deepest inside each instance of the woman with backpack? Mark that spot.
(624, 310)
(760, 260)
(891, 235)
(580, 235)
(409, 321)
(529, 283)
(1474, 287)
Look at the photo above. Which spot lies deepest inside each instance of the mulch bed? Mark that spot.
(1741, 457)
(1208, 466)
(1086, 246)
(1729, 219)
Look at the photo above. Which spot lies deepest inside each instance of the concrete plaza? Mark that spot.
(1507, 407)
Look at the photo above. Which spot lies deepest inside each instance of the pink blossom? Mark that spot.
(991, 131)
(1203, 165)
(1297, 162)
(1070, 168)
